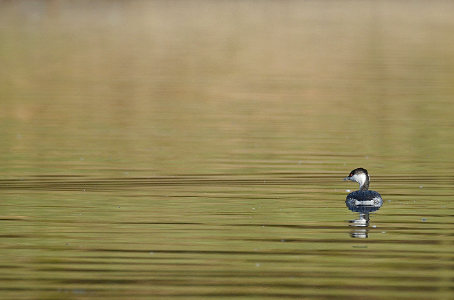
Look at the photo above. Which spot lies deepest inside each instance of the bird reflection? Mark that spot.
(364, 208)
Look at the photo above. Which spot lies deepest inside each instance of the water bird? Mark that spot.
(364, 208)
(363, 196)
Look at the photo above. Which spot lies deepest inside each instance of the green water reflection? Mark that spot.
(196, 149)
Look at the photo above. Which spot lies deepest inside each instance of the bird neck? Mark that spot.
(364, 184)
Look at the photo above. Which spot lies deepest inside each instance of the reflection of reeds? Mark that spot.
(199, 77)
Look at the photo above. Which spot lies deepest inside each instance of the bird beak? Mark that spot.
(347, 178)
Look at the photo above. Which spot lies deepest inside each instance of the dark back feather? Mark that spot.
(363, 195)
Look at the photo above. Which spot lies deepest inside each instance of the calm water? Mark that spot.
(196, 149)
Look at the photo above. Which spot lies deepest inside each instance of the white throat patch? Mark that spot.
(360, 178)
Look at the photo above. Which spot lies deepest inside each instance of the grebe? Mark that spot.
(363, 196)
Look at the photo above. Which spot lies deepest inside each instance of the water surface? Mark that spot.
(196, 149)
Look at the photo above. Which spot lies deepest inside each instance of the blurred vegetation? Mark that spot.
(200, 86)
